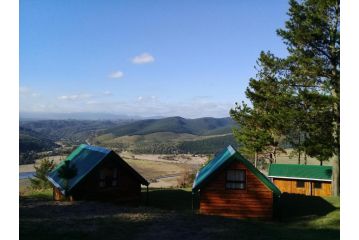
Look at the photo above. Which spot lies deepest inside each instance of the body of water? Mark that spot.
(24, 175)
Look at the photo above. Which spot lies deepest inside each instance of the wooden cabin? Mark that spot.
(229, 185)
(101, 174)
(310, 180)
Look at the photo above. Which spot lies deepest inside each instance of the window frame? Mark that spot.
(300, 181)
(230, 181)
(104, 175)
(315, 185)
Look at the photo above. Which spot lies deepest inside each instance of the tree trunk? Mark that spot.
(336, 129)
(299, 151)
(275, 155)
(321, 162)
(255, 159)
(305, 158)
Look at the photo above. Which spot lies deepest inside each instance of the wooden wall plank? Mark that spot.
(256, 201)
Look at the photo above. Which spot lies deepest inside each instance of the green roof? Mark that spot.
(313, 172)
(221, 160)
(85, 158)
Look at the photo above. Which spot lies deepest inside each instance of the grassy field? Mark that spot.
(169, 216)
(284, 159)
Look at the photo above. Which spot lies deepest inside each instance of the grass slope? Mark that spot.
(168, 216)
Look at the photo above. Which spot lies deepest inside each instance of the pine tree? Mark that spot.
(312, 36)
(40, 178)
(251, 135)
(67, 172)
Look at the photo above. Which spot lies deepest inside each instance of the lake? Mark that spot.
(24, 175)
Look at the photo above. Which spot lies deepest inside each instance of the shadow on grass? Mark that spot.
(43, 219)
(297, 205)
(169, 199)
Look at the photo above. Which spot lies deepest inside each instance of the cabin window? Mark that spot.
(300, 184)
(318, 185)
(108, 177)
(236, 179)
(102, 178)
(114, 177)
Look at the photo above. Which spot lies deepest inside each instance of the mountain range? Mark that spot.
(164, 135)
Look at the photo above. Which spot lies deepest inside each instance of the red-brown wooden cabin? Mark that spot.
(229, 185)
(101, 174)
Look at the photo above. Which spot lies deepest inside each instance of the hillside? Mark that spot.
(170, 135)
(199, 126)
(160, 136)
(30, 140)
(69, 131)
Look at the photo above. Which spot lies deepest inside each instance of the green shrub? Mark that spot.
(40, 181)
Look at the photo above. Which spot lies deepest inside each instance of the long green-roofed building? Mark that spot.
(312, 180)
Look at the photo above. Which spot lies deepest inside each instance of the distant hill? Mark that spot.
(35, 116)
(199, 126)
(70, 131)
(160, 136)
(170, 135)
(30, 140)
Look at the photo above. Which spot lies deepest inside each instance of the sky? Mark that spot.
(143, 58)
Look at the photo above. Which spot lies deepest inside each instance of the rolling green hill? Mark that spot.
(166, 135)
(199, 126)
(69, 131)
(170, 135)
(30, 140)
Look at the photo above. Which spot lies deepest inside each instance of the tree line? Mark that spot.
(295, 99)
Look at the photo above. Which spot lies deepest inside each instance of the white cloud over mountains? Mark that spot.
(105, 101)
(143, 58)
(116, 75)
(27, 92)
(75, 97)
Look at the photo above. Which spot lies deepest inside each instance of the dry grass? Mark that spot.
(30, 167)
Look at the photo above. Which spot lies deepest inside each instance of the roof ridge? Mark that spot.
(96, 148)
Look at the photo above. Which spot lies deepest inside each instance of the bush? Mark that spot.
(186, 180)
(40, 181)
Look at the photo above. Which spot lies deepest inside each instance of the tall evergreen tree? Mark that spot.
(251, 135)
(312, 36)
(298, 96)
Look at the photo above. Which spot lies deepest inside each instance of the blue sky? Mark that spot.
(143, 58)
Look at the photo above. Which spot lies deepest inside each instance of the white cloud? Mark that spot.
(27, 92)
(75, 97)
(24, 90)
(143, 58)
(147, 98)
(116, 75)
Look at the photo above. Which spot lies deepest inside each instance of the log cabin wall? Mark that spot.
(124, 187)
(255, 201)
(308, 187)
